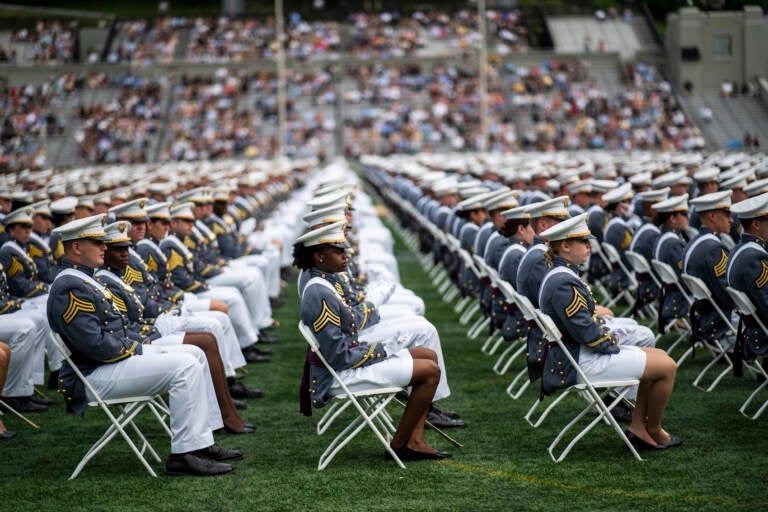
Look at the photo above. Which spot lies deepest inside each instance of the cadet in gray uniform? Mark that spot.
(601, 352)
(706, 257)
(80, 310)
(322, 252)
(748, 271)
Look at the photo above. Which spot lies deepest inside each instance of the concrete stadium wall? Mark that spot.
(693, 31)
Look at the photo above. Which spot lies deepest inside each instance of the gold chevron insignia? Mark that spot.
(189, 243)
(175, 260)
(627, 240)
(217, 229)
(721, 265)
(58, 252)
(34, 251)
(762, 279)
(119, 303)
(131, 275)
(75, 306)
(576, 304)
(325, 317)
(15, 267)
(339, 288)
(151, 264)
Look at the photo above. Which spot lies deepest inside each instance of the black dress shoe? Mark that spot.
(408, 455)
(640, 444)
(445, 412)
(276, 302)
(261, 351)
(238, 390)
(253, 357)
(188, 464)
(217, 453)
(238, 376)
(24, 404)
(239, 404)
(441, 421)
(7, 434)
(247, 429)
(674, 442)
(42, 401)
(269, 339)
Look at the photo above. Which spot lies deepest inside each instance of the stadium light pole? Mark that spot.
(281, 100)
(482, 68)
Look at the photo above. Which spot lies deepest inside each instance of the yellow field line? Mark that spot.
(543, 482)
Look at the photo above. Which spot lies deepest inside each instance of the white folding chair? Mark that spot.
(521, 381)
(615, 259)
(700, 291)
(515, 349)
(640, 265)
(129, 408)
(588, 390)
(668, 277)
(472, 306)
(747, 308)
(370, 404)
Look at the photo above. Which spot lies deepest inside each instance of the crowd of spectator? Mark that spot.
(569, 110)
(48, 42)
(30, 114)
(120, 129)
(410, 110)
(146, 41)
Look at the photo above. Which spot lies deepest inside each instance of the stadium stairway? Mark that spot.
(732, 118)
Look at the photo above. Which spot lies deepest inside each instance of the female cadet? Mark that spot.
(602, 352)
(322, 253)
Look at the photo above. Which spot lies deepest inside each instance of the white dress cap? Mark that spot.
(159, 211)
(620, 194)
(715, 201)
(569, 229)
(333, 213)
(654, 196)
(183, 211)
(132, 210)
(87, 227)
(752, 208)
(23, 215)
(117, 234)
(331, 234)
(556, 207)
(519, 213)
(673, 204)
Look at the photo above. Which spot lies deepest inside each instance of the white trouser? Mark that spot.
(192, 302)
(632, 334)
(37, 307)
(404, 297)
(217, 324)
(238, 312)
(410, 331)
(250, 283)
(394, 312)
(178, 370)
(25, 334)
(268, 264)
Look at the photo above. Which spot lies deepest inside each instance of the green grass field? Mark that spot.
(503, 466)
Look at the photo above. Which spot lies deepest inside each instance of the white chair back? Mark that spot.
(375, 410)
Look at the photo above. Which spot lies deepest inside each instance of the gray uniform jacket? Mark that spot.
(81, 310)
(565, 298)
(334, 325)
